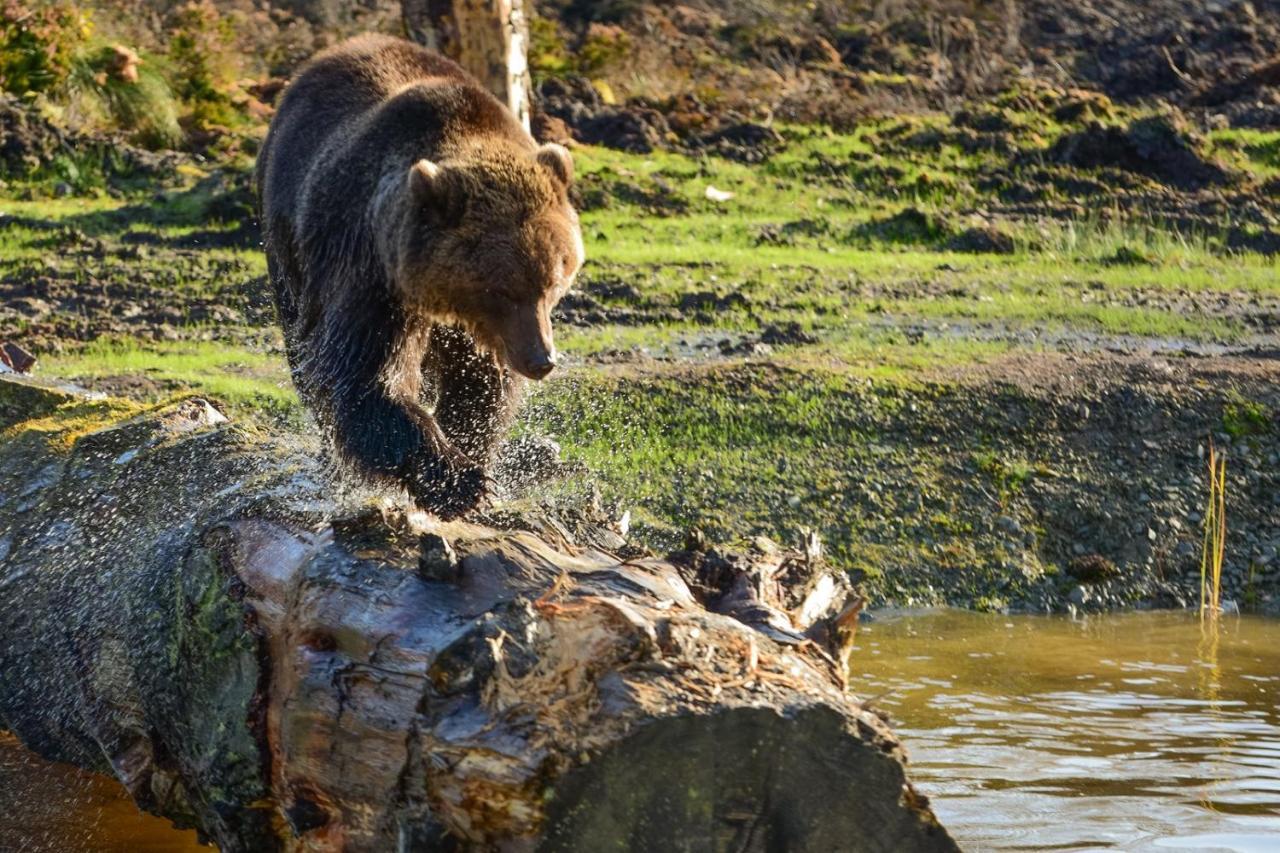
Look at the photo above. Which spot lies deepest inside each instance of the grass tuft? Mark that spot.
(145, 108)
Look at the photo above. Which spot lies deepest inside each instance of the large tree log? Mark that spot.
(185, 606)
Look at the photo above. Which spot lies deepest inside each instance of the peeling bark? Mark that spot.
(489, 38)
(185, 606)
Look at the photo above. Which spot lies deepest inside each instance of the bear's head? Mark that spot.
(492, 245)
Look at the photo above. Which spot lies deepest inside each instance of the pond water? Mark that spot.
(1131, 732)
(53, 808)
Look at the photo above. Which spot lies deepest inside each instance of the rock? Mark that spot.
(1162, 147)
(787, 333)
(744, 142)
(1009, 525)
(717, 195)
(23, 398)
(632, 128)
(548, 128)
(983, 240)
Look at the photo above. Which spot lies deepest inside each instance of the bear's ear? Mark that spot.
(438, 193)
(558, 160)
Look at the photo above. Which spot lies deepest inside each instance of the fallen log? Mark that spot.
(186, 606)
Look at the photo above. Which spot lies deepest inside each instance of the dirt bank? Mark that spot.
(1035, 482)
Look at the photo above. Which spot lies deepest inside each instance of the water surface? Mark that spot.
(55, 808)
(1130, 732)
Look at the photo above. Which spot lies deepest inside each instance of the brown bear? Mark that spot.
(417, 239)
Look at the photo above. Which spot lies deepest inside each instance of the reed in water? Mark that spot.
(1215, 536)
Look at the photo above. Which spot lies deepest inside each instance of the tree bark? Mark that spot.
(489, 38)
(185, 605)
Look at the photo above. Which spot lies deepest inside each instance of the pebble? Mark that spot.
(1009, 525)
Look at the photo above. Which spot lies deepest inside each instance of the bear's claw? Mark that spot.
(447, 489)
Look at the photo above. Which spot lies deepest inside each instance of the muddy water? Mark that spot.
(1127, 732)
(53, 808)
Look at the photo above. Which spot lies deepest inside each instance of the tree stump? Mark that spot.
(489, 38)
(186, 606)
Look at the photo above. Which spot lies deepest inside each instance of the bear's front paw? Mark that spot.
(448, 488)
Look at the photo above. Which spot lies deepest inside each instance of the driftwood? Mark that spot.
(184, 605)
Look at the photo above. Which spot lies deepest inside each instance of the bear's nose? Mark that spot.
(539, 367)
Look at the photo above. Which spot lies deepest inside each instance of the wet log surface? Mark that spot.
(184, 605)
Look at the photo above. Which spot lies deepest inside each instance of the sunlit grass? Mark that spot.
(241, 377)
(1260, 149)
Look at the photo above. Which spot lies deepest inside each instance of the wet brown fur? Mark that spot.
(417, 239)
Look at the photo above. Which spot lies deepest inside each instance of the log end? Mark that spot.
(745, 779)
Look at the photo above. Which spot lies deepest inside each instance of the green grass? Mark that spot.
(1256, 150)
(744, 449)
(701, 452)
(850, 238)
(814, 235)
(810, 233)
(249, 381)
(1242, 417)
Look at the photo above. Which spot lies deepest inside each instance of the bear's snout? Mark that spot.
(534, 362)
(540, 367)
(528, 342)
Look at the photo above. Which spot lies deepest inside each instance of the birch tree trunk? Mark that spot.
(185, 606)
(489, 38)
